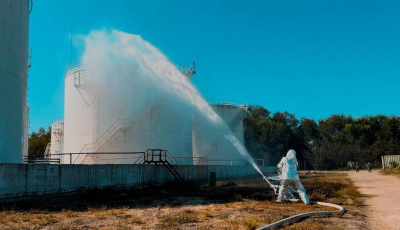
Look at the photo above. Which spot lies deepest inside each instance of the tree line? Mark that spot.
(38, 141)
(325, 144)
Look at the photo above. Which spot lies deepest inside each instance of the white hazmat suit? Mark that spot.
(290, 177)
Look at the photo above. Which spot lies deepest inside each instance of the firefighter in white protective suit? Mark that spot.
(289, 176)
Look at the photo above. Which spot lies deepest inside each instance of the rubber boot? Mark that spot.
(303, 196)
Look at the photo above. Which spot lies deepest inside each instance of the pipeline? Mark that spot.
(291, 219)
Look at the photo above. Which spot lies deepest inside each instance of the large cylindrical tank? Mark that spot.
(79, 112)
(157, 126)
(221, 151)
(14, 34)
(112, 116)
(232, 113)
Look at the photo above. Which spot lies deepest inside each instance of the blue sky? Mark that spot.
(311, 58)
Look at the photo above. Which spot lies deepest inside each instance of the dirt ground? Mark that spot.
(383, 202)
(247, 205)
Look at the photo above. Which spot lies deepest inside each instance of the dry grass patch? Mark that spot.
(100, 215)
(204, 208)
(312, 224)
(210, 212)
(119, 212)
(251, 223)
(97, 209)
(392, 171)
(43, 220)
(332, 187)
(223, 215)
(179, 218)
(136, 220)
(69, 213)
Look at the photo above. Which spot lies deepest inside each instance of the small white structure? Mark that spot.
(14, 34)
(390, 161)
(57, 139)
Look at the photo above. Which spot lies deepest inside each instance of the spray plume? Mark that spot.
(236, 143)
(127, 72)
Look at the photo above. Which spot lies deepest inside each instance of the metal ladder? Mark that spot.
(84, 87)
(162, 156)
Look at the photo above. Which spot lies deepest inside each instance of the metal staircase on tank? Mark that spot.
(85, 88)
(119, 126)
(204, 153)
(163, 157)
(239, 119)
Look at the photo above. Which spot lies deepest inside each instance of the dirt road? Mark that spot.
(383, 203)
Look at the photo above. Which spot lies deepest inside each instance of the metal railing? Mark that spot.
(96, 153)
(73, 65)
(230, 161)
(162, 156)
(226, 102)
(40, 159)
(188, 70)
(205, 152)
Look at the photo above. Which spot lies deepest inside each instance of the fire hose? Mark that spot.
(292, 219)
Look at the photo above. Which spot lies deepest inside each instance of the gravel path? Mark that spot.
(383, 203)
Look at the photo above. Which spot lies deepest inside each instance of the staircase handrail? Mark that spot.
(168, 161)
(172, 159)
(73, 65)
(120, 122)
(112, 127)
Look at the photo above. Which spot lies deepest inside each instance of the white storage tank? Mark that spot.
(79, 112)
(233, 114)
(114, 115)
(14, 35)
(220, 151)
(157, 124)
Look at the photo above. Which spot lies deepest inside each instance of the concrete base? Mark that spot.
(24, 180)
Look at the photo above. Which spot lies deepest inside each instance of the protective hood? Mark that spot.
(288, 166)
(291, 155)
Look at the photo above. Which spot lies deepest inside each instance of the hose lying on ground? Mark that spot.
(291, 219)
